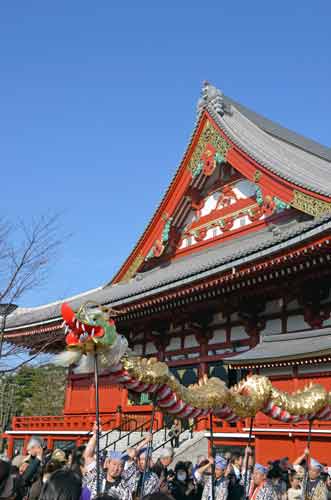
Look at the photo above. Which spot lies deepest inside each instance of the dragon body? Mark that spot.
(90, 331)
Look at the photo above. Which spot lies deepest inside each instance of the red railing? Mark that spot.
(65, 423)
(127, 421)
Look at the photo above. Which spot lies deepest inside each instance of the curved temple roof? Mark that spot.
(281, 132)
(286, 154)
(301, 162)
(289, 155)
(217, 259)
(282, 347)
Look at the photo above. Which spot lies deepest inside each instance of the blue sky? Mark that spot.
(98, 102)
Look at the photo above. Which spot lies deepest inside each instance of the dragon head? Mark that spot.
(88, 328)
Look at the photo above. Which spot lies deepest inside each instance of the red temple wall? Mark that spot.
(80, 395)
(272, 447)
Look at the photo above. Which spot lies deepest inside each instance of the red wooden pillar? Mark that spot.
(26, 442)
(118, 417)
(10, 449)
(49, 443)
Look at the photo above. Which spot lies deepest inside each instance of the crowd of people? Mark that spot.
(72, 475)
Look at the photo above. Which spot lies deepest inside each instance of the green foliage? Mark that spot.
(33, 391)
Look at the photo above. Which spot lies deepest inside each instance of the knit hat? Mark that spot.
(115, 455)
(166, 453)
(261, 468)
(220, 462)
(314, 464)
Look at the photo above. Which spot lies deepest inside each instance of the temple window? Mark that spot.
(218, 370)
(138, 398)
(186, 375)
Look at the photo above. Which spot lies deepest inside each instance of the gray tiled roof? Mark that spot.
(272, 130)
(281, 132)
(291, 162)
(187, 270)
(288, 346)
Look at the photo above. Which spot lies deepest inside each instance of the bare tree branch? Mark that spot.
(26, 259)
(29, 359)
(26, 251)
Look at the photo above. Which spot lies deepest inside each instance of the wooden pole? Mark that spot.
(211, 430)
(97, 416)
(148, 452)
(305, 477)
(247, 456)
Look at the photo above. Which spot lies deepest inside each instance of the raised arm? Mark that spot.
(144, 443)
(302, 457)
(89, 453)
(248, 459)
(200, 471)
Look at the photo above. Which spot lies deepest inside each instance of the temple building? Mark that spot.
(231, 276)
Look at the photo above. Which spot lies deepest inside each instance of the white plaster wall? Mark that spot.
(150, 348)
(138, 349)
(174, 344)
(241, 222)
(193, 355)
(219, 336)
(177, 357)
(213, 232)
(219, 351)
(210, 203)
(190, 341)
(296, 323)
(184, 243)
(218, 318)
(238, 333)
(273, 326)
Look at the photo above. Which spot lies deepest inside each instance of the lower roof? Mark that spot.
(283, 347)
(218, 259)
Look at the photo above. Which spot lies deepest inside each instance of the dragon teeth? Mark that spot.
(63, 324)
(83, 326)
(93, 331)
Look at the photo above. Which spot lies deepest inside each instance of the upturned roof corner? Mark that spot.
(212, 96)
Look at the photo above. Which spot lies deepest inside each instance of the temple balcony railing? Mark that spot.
(126, 421)
(262, 421)
(62, 423)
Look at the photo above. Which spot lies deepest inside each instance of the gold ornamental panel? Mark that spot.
(309, 204)
(209, 135)
(133, 268)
